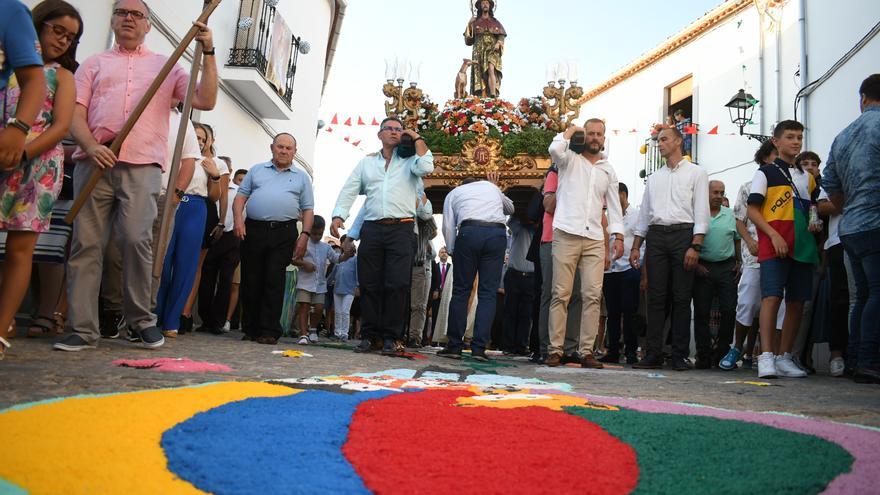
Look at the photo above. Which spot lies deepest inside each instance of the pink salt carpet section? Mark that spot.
(181, 365)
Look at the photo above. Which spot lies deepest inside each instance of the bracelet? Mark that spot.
(697, 247)
(420, 138)
(208, 52)
(180, 193)
(215, 178)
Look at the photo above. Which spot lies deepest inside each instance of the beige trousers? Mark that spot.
(573, 253)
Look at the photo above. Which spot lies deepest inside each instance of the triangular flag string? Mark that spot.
(334, 120)
(361, 121)
(348, 121)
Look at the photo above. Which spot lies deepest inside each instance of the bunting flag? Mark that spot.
(348, 121)
(347, 139)
(334, 120)
(375, 122)
(690, 129)
(356, 143)
(714, 130)
(329, 129)
(361, 121)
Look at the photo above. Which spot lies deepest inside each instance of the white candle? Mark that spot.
(550, 75)
(388, 73)
(561, 71)
(573, 71)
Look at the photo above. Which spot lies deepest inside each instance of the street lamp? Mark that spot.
(743, 104)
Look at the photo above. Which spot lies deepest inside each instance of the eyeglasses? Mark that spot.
(62, 33)
(135, 14)
(392, 128)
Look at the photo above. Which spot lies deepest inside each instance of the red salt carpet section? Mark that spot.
(482, 449)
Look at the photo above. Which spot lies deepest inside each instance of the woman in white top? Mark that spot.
(182, 257)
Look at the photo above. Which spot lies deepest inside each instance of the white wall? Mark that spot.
(239, 135)
(725, 59)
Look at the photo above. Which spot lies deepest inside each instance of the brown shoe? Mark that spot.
(590, 361)
(266, 339)
(553, 360)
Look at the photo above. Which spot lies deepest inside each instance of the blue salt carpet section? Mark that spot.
(277, 445)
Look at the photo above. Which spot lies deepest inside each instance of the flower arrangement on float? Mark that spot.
(479, 116)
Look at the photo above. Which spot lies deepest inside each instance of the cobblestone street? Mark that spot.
(32, 371)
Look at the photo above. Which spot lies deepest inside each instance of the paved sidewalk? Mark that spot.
(33, 371)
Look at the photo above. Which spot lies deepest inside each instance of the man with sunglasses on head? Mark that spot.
(109, 86)
(390, 179)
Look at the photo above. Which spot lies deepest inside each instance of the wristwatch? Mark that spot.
(697, 247)
(420, 138)
(18, 124)
(180, 193)
(208, 52)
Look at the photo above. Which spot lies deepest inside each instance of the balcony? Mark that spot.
(262, 62)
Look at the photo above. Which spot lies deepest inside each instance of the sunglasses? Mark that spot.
(135, 14)
(392, 128)
(62, 33)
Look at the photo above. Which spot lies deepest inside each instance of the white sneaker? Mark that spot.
(786, 367)
(767, 365)
(225, 328)
(313, 337)
(837, 366)
(303, 340)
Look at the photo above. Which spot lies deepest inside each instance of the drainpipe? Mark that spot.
(802, 27)
(779, 68)
(761, 72)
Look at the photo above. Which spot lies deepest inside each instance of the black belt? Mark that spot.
(393, 221)
(480, 223)
(519, 273)
(270, 224)
(728, 260)
(671, 228)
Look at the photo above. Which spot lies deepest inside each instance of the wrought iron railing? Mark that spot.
(653, 160)
(253, 40)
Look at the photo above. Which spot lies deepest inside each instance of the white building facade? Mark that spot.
(257, 97)
(771, 49)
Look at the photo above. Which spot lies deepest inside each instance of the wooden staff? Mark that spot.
(169, 209)
(142, 105)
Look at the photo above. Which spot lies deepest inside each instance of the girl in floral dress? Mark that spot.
(28, 191)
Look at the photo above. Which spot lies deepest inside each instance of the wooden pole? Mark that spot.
(86, 191)
(169, 209)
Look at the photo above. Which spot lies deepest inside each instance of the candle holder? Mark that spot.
(562, 107)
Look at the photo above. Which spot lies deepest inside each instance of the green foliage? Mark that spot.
(530, 141)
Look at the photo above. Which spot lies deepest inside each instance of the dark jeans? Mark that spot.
(478, 250)
(265, 254)
(664, 259)
(863, 249)
(720, 283)
(385, 260)
(219, 266)
(519, 296)
(837, 319)
(621, 291)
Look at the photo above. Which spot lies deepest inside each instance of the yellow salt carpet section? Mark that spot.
(108, 444)
(509, 400)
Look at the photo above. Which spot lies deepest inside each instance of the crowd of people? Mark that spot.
(578, 276)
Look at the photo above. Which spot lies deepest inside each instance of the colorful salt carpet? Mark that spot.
(432, 430)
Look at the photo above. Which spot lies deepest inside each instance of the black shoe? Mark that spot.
(110, 325)
(866, 375)
(134, 336)
(538, 358)
(186, 324)
(389, 348)
(680, 364)
(72, 343)
(632, 359)
(151, 337)
(365, 346)
(703, 363)
(413, 344)
(649, 362)
(610, 358)
(449, 353)
(570, 358)
(479, 355)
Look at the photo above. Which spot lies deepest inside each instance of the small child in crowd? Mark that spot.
(345, 289)
(311, 284)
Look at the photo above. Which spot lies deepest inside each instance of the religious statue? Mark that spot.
(461, 79)
(486, 35)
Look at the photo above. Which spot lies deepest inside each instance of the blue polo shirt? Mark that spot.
(276, 195)
(18, 40)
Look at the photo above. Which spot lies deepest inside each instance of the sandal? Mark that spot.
(4, 345)
(42, 326)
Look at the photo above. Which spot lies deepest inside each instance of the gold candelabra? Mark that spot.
(561, 102)
(403, 103)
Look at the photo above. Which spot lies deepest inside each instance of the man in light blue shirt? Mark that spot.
(276, 194)
(852, 182)
(388, 242)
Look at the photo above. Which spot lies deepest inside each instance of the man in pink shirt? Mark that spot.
(109, 86)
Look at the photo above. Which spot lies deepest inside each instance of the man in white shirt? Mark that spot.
(585, 180)
(621, 290)
(474, 218)
(673, 219)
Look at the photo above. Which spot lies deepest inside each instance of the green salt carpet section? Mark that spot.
(720, 456)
